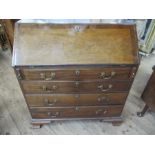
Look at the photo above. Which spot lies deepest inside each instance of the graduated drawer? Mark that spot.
(77, 111)
(75, 99)
(77, 74)
(74, 87)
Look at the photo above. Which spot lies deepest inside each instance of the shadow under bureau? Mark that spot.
(75, 70)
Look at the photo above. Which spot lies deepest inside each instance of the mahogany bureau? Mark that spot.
(75, 69)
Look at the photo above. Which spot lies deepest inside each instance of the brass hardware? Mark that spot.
(77, 96)
(104, 76)
(98, 111)
(103, 98)
(77, 108)
(52, 75)
(52, 115)
(101, 87)
(50, 103)
(54, 87)
(77, 72)
(133, 72)
(43, 76)
(18, 74)
(132, 75)
(101, 111)
(44, 88)
(77, 83)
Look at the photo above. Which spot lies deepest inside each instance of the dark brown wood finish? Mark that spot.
(77, 111)
(148, 95)
(77, 74)
(71, 44)
(9, 29)
(74, 87)
(75, 70)
(55, 100)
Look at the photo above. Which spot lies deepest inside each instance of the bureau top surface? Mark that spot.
(74, 43)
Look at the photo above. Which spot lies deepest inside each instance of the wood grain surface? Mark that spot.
(81, 74)
(79, 111)
(45, 100)
(74, 87)
(67, 44)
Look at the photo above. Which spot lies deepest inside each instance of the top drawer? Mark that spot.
(107, 73)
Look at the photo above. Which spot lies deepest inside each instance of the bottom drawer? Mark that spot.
(78, 111)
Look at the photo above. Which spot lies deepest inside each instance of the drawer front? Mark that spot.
(77, 111)
(77, 74)
(74, 87)
(75, 99)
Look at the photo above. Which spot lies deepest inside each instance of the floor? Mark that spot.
(15, 118)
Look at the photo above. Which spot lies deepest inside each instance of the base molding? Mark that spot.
(38, 123)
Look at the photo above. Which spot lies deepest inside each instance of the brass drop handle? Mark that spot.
(103, 89)
(44, 88)
(53, 115)
(77, 72)
(104, 76)
(101, 111)
(49, 103)
(43, 76)
(103, 98)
